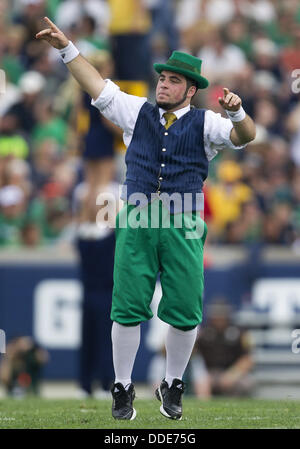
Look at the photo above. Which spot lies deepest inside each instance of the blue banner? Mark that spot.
(44, 301)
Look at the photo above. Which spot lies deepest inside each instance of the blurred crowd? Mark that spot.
(46, 123)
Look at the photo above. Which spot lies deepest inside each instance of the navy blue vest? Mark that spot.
(161, 161)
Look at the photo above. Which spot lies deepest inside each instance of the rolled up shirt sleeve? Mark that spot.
(120, 108)
(217, 131)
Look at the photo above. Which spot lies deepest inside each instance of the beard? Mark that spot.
(168, 106)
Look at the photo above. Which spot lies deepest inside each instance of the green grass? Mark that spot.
(95, 414)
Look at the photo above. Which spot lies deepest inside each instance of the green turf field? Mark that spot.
(95, 414)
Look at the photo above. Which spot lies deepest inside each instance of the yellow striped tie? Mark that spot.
(170, 118)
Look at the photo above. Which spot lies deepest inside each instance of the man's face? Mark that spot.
(172, 92)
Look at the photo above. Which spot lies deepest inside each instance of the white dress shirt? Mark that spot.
(123, 110)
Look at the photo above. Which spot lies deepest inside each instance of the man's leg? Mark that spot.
(180, 306)
(135, 272)
(179, 347)
(126, 341)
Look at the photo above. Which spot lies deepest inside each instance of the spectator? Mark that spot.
(277, 225)
(48, 124)
(20, 369)
(265, 57)
(217, 12)
(31, 84)
(12, 215)
(163, 26)
(130, 27)
(98, 138)
(279, 29)
(248, 228)
(45, 157)
(12, 143)
(289, 57)
(90, 40)
(227, 197)
(12, 61)
(31, 234)
(267, 115)
(17, 172)
(259, 10)
(238, 34)
(221, 60)
(29, 15)
(70, 12)
(222, 357)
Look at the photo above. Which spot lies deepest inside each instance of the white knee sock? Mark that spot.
(125, 342)
(179, 346)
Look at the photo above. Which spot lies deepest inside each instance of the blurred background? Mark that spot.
(56, 152)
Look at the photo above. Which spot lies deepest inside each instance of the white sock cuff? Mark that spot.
(183, 333)
(128, 329)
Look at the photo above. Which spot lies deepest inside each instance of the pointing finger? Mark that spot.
(53, 26)
(226, 91)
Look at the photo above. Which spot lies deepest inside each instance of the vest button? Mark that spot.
(158, 192)
(166, 134)
(163, 165)
(164, 149)
(160, 178)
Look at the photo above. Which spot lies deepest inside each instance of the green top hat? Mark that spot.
(186, 65)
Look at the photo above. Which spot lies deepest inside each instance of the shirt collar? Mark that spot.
(179, 113)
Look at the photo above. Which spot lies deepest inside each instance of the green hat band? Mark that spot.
(182, 65)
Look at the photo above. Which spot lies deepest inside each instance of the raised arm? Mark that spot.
(243, 130)
(87, 76)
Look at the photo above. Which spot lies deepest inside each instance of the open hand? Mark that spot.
(230, 101)
(53, 35)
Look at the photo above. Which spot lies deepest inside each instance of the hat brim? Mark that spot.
(202, 83)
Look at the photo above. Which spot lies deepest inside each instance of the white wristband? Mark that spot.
(236, 116)
(69, 53)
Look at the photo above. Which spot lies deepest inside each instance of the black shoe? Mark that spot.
(170, 398)
(122, 402)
